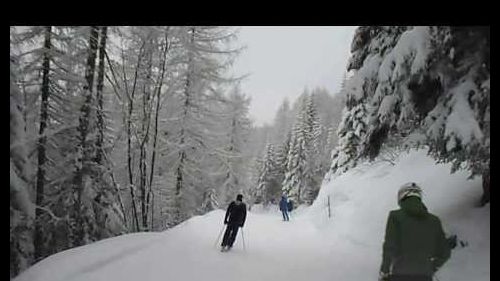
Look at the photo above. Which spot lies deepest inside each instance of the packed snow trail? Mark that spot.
(275, 250)
(311, 246)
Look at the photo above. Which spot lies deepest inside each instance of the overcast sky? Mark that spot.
(282, 61)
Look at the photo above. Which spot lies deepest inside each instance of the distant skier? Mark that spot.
(284, 208)
(415, 246)
(235, 217)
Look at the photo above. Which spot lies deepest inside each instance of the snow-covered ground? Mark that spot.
(311, 246)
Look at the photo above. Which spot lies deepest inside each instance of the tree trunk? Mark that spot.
(122, 208)
(83, 165)
(182, 154)
(25, 108)
(129, 163)
(99, 97)
(42, 141)
(146, 120)
(155, 135)
(129, 133)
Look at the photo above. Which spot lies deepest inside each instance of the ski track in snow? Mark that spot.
(275, 250)
(99, 264)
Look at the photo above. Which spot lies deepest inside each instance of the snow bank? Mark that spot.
(74, 262)
(362, 198)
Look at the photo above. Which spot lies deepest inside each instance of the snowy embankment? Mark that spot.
(362, 198)
(311, 246)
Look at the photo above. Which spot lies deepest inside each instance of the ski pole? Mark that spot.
(218, 237)
(243, 237)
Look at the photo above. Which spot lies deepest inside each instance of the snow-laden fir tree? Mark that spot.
(282, 122)
(206, 58)
(300, 172)
(22, 211)
(430, 85)
(282, 151)
(234, 156)
(268, 186)
(52, 114)
(315, 144)
(350, 132)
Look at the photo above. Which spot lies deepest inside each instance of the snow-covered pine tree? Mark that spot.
(314, 145)
(329, 110)
(268, 186)
(331, 143)
(236, 129)
(67, 55)
(296, 162)
(282, 156)
(458, 127)
(22, 212)
(428, 83)
(350, 132)
(301, 161)
(254, 176)
(282, 122)
(51, 119)
(206, 57)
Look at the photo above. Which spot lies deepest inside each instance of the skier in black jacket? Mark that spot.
(235, 217)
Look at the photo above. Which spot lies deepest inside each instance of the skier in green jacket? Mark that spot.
(415, 246)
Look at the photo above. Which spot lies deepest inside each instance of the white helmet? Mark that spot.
(409, 189)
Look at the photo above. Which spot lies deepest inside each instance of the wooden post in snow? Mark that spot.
(329, 212)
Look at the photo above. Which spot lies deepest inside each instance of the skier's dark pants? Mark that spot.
(410, 278)
(230, 235)
(285, 215)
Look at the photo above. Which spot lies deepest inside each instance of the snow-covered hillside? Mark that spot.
(311, 246)
(362, 198)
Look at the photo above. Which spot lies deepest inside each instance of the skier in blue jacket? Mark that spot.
(284, 208)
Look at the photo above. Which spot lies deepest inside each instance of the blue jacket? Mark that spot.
(283, 204)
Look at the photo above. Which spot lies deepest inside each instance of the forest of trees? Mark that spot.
(116, 130)
(295, 148)
(120, 129)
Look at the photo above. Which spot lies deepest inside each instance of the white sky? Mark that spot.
(282, 61)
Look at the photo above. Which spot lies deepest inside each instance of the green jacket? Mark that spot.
(415, 243)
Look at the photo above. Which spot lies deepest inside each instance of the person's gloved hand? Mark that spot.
(383, 276)
(452, 241)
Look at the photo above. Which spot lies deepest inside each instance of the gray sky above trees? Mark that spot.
(282, 61)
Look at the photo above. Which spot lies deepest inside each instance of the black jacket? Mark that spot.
(415, 243)
(236, 214)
